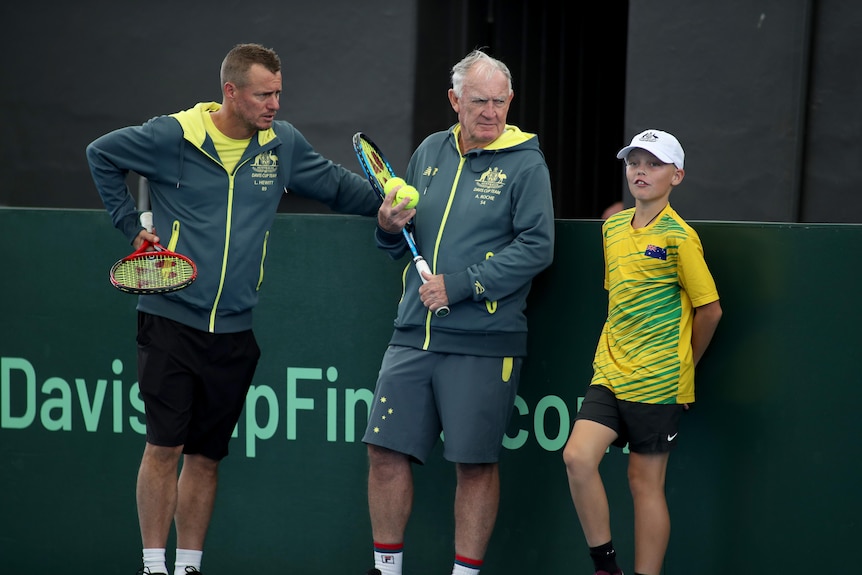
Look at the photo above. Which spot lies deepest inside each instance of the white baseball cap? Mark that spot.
(662, 145)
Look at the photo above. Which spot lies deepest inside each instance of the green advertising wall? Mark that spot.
(765, 479)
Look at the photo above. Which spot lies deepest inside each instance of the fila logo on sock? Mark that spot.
(388, 558)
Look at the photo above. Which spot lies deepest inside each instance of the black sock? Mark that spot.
(605, 557)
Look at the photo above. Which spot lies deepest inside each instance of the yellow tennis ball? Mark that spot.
(393, 183)
(407, 191)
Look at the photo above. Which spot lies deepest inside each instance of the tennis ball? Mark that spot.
(407, 191)
(393, 183)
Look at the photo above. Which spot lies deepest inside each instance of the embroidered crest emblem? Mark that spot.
(492, 178)
(489, 185)
(264, 170)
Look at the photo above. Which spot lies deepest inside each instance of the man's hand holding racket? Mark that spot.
(378, 171)
(152, 268)
(148, 234)
(392, 217)
(432, 292)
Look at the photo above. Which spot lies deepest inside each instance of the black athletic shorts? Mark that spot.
(645, 427)
(193, 383)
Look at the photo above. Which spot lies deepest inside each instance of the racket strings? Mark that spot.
(378, 165)
(153, 272)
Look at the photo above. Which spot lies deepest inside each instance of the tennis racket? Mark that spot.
(152, 272)
(378, 171)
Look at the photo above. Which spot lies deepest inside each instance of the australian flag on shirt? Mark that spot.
(653, 251)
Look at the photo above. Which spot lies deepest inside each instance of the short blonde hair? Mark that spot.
(235, 66)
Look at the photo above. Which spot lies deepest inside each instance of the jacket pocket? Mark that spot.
(491, 306)
(175, 236)
(262, 261)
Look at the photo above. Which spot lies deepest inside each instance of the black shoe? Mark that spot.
(373, 572)
(146, 571)
(191, 570)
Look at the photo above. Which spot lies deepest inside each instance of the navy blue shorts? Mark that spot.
(645, 427)
(193, 383)
(420, 394)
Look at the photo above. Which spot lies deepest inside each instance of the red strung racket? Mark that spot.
(158, 270)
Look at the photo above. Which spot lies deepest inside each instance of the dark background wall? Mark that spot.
(762, 93)
(75, 70)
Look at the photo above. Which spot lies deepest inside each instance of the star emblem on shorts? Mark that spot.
(383, 417)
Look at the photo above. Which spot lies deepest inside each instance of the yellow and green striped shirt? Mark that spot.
(655, 276)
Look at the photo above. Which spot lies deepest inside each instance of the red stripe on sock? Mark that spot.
(473, 563)
(388, 546)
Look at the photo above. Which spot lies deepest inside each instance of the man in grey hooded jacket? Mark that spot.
(216, 174)
(485, 224)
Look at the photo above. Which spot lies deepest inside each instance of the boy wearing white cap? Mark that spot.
(663, 309)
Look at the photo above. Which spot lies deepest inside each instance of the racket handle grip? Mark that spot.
(147, 221)
(422, 266)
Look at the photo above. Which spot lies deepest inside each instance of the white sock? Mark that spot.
(462, 569)
(187, 558)
(154, 560)
(388, 562)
